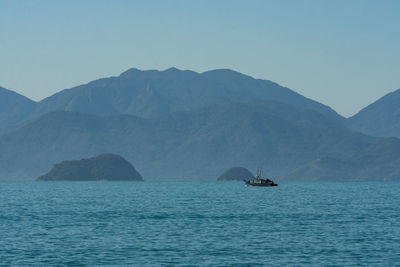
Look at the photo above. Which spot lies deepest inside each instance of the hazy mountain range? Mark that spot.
(177, 124)
(381, 118)
(152, 93)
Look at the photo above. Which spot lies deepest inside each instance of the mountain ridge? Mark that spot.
(178, 124)
(153, 93)
(290, 143)
(381, 118)
(13, 109)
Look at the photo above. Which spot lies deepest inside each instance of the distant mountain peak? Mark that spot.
(11, 97)
(13, 109)
(381, 118)
(172, 69)
(130, 72)
(13, 93)
(152, 93)
(224, 71)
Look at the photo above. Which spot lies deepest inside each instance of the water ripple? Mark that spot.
(199, 224)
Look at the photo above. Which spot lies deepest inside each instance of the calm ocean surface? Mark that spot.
(199, 224)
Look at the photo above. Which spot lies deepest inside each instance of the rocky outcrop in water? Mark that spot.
(105, 167)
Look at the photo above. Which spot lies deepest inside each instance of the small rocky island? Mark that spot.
(235, 174)
(105, 167)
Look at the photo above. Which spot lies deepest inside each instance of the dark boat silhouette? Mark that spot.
(259, 181)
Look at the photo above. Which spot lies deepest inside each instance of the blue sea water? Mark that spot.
(199, 224)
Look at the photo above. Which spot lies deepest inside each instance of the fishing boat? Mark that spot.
(259, 181)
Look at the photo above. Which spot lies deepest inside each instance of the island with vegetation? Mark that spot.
(105, 167)
(235, 174)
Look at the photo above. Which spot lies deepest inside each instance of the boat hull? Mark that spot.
(259, 184)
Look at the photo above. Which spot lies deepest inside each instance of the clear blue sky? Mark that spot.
(345, 54)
